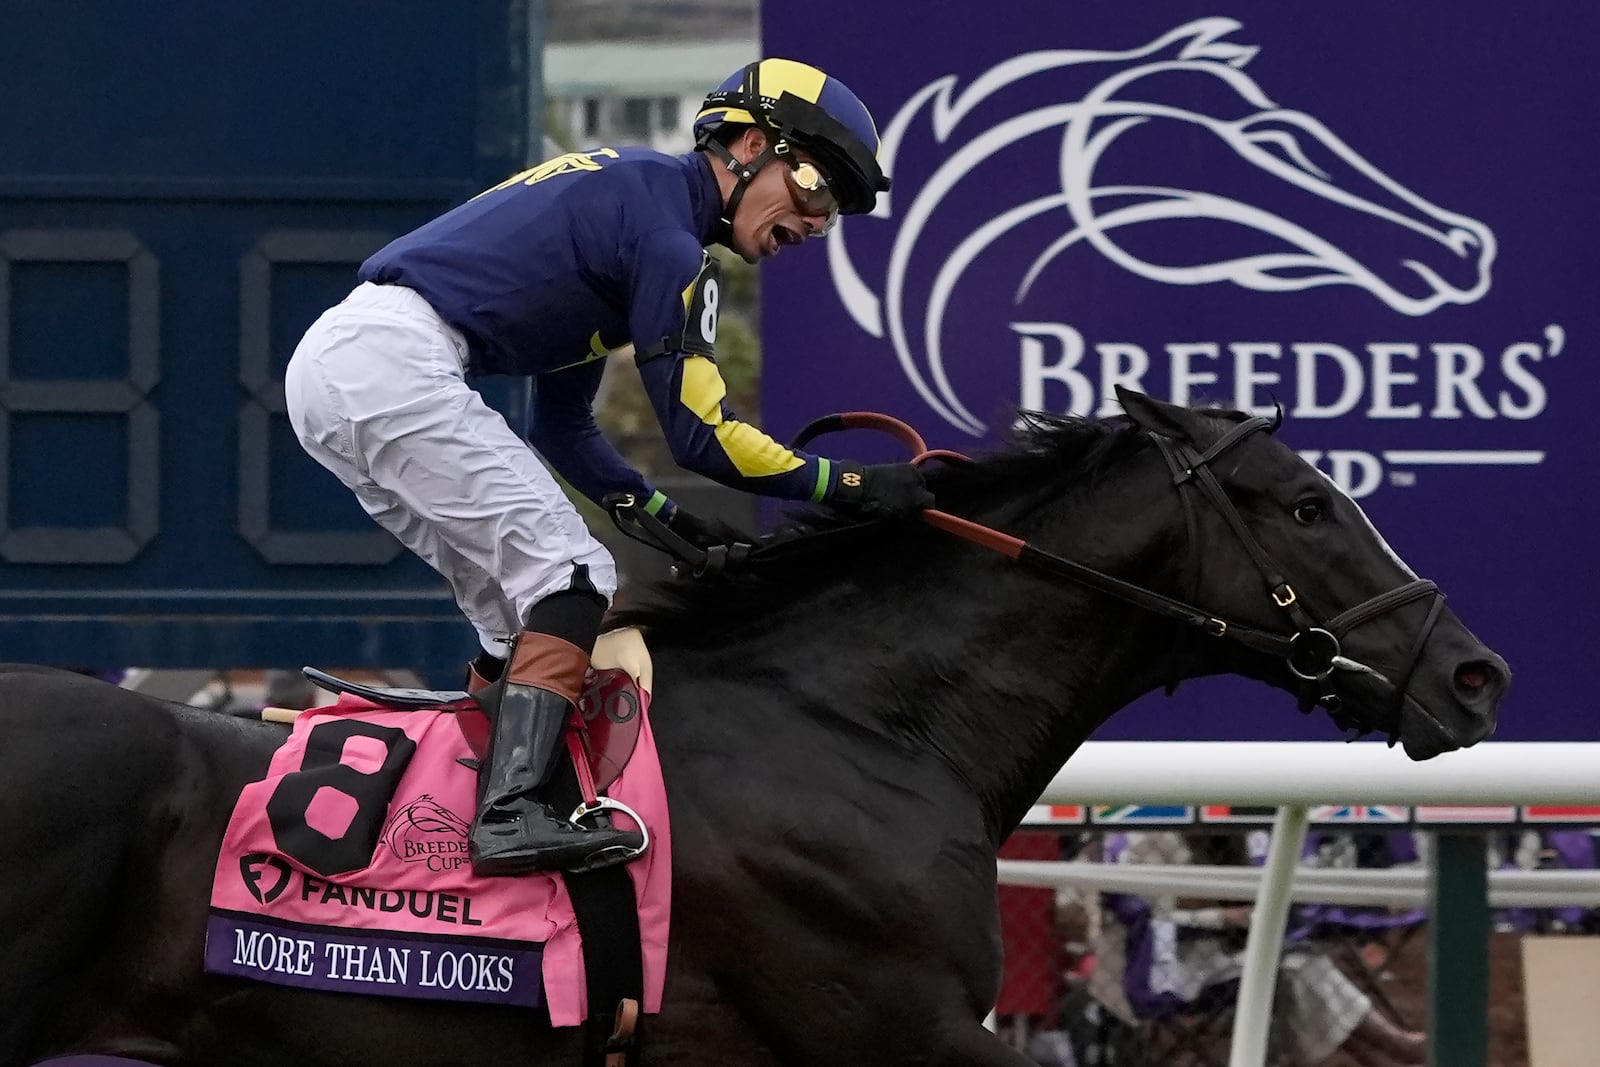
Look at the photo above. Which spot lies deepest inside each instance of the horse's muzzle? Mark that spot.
(1467, 717)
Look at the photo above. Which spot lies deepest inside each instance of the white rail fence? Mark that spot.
(1396, 888)
(1293, 777)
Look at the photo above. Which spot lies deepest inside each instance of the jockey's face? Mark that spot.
(773, 214)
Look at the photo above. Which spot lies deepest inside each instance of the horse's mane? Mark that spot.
(1046, 457)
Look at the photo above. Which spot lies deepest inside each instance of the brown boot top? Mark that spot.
(547, 662)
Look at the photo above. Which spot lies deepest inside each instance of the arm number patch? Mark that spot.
(702, 302)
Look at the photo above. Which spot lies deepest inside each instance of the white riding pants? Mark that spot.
(377, 394)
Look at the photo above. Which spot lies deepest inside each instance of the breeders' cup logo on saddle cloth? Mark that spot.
(1170, 163)
(426, 832)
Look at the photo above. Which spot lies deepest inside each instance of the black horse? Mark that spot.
(847, 737)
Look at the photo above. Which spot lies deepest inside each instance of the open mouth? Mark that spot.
(782, 236)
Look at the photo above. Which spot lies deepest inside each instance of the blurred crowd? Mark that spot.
(1116, 979)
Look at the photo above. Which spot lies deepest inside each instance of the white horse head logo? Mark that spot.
(1245, 192)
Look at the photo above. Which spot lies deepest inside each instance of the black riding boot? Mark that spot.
(515, 831)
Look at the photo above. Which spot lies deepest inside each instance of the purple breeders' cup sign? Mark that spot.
(1381, 218)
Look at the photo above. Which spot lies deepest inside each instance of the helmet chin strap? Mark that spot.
(743, 174)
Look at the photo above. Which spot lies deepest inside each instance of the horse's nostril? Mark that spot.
(1478, 676)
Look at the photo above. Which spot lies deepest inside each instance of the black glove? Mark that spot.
(705, 533)
(881, 490)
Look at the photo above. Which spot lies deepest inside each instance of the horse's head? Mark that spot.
(1297, 556)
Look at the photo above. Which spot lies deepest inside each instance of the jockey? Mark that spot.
(545, 275)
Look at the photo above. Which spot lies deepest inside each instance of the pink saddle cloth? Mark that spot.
(346, 869)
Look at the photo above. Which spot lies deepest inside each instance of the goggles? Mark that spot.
(810, 191)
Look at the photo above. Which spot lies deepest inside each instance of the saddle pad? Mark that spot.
(346, 869)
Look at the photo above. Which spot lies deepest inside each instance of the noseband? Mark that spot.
(1313, 653)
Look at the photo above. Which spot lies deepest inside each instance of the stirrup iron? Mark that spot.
(585, 810)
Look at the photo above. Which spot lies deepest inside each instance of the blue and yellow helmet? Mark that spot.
(800, 105)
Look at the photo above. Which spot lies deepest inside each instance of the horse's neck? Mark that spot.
(995, 669)
(1008, 697)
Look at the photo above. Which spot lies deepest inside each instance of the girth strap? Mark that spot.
(607, 911)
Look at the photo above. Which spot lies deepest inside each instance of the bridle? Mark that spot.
(1313, 653)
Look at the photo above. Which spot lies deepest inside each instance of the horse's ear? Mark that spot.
(1168, 420)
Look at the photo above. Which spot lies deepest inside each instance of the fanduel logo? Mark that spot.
(1170, 162)
(253, 871)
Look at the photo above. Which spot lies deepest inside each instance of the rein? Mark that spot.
(1313, 652)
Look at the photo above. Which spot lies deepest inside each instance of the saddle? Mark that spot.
(346, 867)
(605, 727)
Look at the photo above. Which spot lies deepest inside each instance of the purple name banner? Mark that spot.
(1380, 217)
(377, 963)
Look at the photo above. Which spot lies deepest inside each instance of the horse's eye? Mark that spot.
(1307, 512)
